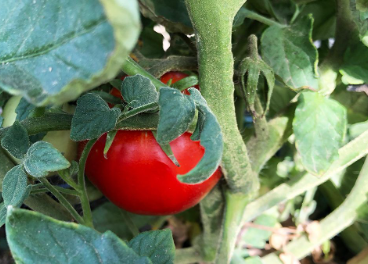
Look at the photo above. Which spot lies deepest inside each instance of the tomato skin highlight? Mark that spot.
(175, 76)
(139, 177)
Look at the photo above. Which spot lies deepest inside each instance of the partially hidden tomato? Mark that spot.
(59, 139)
(137, 175)
(175, 76)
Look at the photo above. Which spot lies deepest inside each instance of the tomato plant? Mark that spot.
(280, 116)
(138, 176)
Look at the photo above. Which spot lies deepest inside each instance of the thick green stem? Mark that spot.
(62, 200)
(234, 209)
(212, 21)
(87, 213)
(48, 122)
(212, 211)
(333, 224)
(351, 235)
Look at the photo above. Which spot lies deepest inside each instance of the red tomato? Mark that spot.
(138, 176)
(175, 76)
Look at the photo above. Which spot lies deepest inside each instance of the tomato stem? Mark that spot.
(253, 15)
(87, 213)
(62, 200)
(131, 67)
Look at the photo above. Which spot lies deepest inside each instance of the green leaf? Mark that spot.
(43, 158)
(2, 214)
(109, 139)
(46, 240)
(355, 103)
(177, 111)
(16, 140)
(256, 237)
(157, 245)
(319, 127)
(360, 17)
(23, 109)
(14, 186)
(109, 217)
(171, 14)
(355, 67)
(291, 53)
(6, 165)
(64, 48)
(166, 148)
(138, 91)
(92, 118)
(208, 131)
(1, 121)
(324, 16)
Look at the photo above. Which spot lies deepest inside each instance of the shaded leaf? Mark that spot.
(360, 17)
(355, 67)
(109, 140)
(157, 245)
(319, 127)
(49, 59)
(23, 109)
(176, 113)
(208, 131)
(6, 165)
(92, 118)
(16, 140)
(138, 90)
(257, 237)
(46, 240)
(2, 214)
(109, 217)
(291, 53)
(43, 158)
(14, 186)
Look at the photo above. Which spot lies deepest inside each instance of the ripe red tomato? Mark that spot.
(175, 76)
(138, 176)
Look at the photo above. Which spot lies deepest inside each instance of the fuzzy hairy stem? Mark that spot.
(212, 21)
